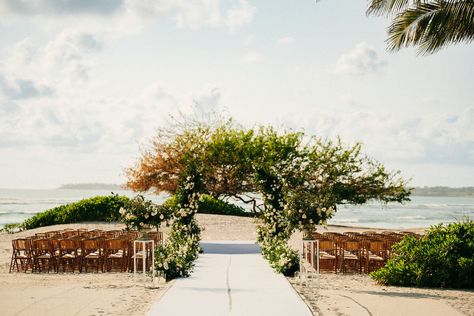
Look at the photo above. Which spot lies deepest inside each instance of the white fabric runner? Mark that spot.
(231, 278)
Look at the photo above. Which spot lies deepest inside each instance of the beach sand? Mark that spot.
(358, 294)
(71, 294)
(122, 294)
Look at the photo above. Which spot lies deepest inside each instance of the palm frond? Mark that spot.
(432, 26)
(391, 7)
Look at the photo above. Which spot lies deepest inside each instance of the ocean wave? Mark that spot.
(345, 220)
(411, 218)
(4, 213)
(52, 203)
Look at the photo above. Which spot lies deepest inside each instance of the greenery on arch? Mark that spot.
(292, 181)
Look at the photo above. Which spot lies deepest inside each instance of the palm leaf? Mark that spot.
(432, 26)
(391, 7)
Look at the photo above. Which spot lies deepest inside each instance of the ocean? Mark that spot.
(17, 205)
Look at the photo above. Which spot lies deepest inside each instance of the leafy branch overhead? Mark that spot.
(231, 158)
(429, 25)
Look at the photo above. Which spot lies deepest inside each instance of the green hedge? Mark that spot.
(210, 205)
(444, 257)
(99, 208)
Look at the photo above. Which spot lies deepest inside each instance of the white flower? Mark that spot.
(122, 211)
(162, 217)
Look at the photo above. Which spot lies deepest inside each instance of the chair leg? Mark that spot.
(12, 264)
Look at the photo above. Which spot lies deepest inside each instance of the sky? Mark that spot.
(85, 84)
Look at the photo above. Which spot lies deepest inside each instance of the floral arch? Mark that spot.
(291, 181)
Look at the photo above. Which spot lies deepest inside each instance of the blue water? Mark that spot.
(421, 211)
(17, 205)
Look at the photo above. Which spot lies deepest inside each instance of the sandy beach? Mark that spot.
(121, 294)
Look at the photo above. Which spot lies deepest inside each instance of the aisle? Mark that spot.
(231, 278)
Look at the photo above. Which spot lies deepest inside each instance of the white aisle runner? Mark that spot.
(231, 278)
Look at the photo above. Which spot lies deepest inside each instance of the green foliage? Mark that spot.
(99, 208)
(280, 256)
(444, 257)
(176, 257)
(11, 228)
(429, 25)
(139, 213)
(210, 205)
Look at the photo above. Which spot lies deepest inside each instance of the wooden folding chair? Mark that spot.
(328, 257)
(92, 255)
(69, 256)
(43, 255)
(21, 253)
(351, 256)
(376, 255)
(116, 254)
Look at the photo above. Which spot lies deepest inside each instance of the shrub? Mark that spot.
(208, 204)
(99, 208)
(139, 213)
(444, 257)
(10, 228)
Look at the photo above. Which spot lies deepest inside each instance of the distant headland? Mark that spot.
(91, 186)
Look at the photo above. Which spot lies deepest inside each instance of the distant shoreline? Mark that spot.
(440, 191)
(91, 186)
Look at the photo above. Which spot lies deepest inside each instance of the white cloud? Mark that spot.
(287, 40)
(429, 139)
(72, 50)
(360, 60)
(30, 71)
(195, 14)
(54, 7)
(239, 15)
(18, 79)
(18, 88)
(124, 16)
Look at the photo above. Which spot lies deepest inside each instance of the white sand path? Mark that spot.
(231, 278)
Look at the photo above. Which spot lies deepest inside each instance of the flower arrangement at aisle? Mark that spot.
(275, 230)
(142, 214)
(176, 257)
(277, 251)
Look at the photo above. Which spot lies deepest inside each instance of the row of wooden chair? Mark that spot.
(77, 250)
(350, 251)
